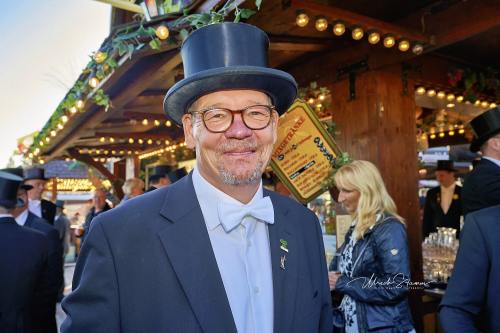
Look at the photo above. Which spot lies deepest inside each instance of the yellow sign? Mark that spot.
(304, 152)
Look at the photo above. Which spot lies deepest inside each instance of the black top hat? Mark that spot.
(445, 165)
(9, 184)
(485, 126)
(34, 173)
(227, 56)
(177, 174)
(18, 172)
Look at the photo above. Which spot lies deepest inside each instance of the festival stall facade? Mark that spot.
(388, 80)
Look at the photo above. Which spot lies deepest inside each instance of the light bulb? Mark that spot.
(130, 140)
(338, 28)
(417, 49)
(168, 123)
(450, 97)
(80, 104)
(302, 20)
(431, 93)
(460, 99)
(441, 95)
(157, 122)
(357, 33)
(64, 118)
(145, 122)
(420, 91)
(162, 32)
(93, 82)
(404, 45)
(389, 41)
(321, 24)
(373, 37)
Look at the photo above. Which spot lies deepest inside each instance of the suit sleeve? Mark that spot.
(464, 296)
(326, 320)
(392, 252)
(93, 306)
(55, 262)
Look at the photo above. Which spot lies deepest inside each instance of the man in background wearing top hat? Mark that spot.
(38, 206)
(443, 205)
(213, 252)
(23, 264)
(176, 174)
(62, 225)
(158, 178)
(482, 184)
(45, 311)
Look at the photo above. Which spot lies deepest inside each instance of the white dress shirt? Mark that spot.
(35, 206)
(447, 197)
(21, 219)
(244, 259)
(5, 215)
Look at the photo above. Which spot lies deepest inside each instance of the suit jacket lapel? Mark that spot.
(29, 220)
(284, 278)
(189, 250)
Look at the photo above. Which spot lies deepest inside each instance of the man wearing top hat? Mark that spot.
(443, 205)
(176, 174)
(23, 264)
(45, 310)
(482, 184)
(38, 206)
(159, 178)
(213, 252)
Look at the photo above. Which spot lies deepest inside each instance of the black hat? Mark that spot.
(445, 165)
(9, 184)
(485, 126)
(34, 173)
(60, 203)
(159, 171)
(18, 172)
(177, 174)
(227, 56)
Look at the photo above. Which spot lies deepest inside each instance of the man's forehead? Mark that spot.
(225, 98)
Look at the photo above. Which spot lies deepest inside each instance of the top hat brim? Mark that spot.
(446, 169)
(478, 142)
(279, 85)
(35, 177)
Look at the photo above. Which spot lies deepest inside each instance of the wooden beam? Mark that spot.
(334, 13)
(136, 136)
(298, 44)
(125, 5)
(147, 115)
(115, 182)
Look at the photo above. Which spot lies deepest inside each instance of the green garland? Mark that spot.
(128, 41)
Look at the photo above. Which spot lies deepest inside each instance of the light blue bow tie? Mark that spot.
(231, 215)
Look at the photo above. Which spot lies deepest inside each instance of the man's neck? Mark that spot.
(242, 193)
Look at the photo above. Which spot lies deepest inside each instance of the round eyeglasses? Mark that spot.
(218, 120)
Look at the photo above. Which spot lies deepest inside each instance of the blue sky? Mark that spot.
(44, 47)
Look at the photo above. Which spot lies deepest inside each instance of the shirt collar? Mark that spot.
(491, 159)
(34, 202)
(5, 215)
(21, 219)
(206, 193)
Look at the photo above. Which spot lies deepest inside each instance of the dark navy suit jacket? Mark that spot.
(434, 215)
(46, 311)
(473, 293)
(23, 275)
(148, 266)
(481, 187)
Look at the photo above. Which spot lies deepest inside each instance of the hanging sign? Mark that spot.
(304, 152)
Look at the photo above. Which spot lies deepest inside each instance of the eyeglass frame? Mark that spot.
(270, 108)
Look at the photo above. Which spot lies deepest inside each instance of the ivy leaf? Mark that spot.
(246, 13)
(258, 3)
(184, 34)
(155, 44)
(122, 49)
(151, 31)
(111, 63)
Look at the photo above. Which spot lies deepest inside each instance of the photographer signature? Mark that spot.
(398, 280)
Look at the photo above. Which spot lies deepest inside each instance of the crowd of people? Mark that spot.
(214, 251)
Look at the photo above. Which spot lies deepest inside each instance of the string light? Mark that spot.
(321, 24)
(417, 49)
(150, 142)
(168, 123)
(162, 32)
(404, 45)
(141, 141)
(389, 41)
(450, 97)
(60, 126)
(99, 57)
(130, 140)
(302, 19)
(73, 110)
(145, 122)
(157, 122)
(338, 28)
(485, 104)
(459, 99)
(441, 95)
(493, 105)
(420, 91)
(357, 33)
(431, 93)
(102, 139)
(111, 139)
(80, 104)
(93, 82)
(64, 118)
(47, 139)
(373, 37)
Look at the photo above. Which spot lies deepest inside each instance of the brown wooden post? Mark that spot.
(54, 189)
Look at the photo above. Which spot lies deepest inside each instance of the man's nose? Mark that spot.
(238, 129)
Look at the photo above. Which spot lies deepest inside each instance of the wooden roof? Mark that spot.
(138, 85)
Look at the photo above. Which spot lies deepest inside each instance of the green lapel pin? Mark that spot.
(284, 245)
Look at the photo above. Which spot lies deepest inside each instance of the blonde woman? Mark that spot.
(373, 261)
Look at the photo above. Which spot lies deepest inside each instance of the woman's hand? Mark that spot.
(332, 278)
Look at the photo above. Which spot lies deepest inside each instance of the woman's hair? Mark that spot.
(130, 184)
(364, 177)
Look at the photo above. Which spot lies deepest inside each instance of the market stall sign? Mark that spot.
(304, 152)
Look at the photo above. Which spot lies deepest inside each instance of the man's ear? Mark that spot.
(187, 125)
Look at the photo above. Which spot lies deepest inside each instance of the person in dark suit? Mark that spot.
(159, 178)
(443, 205)
(42, 208)
(45, 311)
(176, 174)
(471, 302)
(99, 205)
(213, 252)
(482, 184)
(23, 264)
